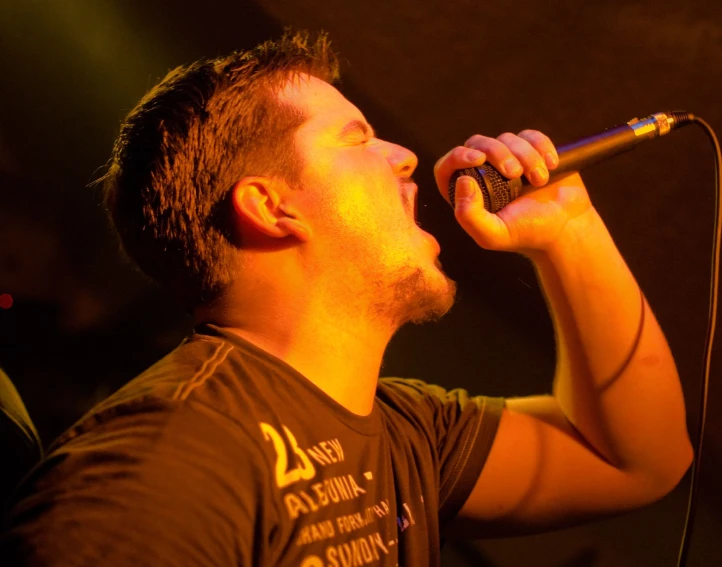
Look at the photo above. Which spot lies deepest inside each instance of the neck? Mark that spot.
(338, 350)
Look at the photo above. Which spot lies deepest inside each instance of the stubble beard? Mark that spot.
(417, 297)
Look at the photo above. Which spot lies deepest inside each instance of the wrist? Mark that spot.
(579, 237)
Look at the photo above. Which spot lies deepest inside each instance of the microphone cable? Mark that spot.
(709, 341)
(498, 191)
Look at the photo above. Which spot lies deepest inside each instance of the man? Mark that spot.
(261, 196)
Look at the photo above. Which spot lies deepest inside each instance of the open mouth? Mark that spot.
(409, 192)
(416, 208)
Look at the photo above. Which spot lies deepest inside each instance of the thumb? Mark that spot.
(487, 229)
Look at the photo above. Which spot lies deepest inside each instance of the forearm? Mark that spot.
(616, 379)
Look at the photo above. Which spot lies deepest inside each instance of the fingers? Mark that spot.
(543, 145)
(460, 157)
(487, 229)
(530, 153)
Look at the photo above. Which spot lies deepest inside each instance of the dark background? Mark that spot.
(427, 75)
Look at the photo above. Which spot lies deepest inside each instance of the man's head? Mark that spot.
(359, 204)
(257, 153)
(188, 141)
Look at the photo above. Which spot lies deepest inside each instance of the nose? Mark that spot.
(402, 161)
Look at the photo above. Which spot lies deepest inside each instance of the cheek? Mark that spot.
(355, 201)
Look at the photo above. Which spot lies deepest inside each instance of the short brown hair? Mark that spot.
(189, 139)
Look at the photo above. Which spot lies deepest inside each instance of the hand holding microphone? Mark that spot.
(489, 196)
(535, 219)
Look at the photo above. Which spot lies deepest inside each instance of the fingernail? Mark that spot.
(511, 167)
(474, 155)
(538, 175)
(464, 188)
(551, 159)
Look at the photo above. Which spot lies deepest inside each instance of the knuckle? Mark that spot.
(540, 140)
(459, 152)
(535, 139)
(476, 139)
(497, 148)
(506, 136)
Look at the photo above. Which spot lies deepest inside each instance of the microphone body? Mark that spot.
(498, 191)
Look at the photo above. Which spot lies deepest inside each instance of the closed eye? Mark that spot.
(358, 127)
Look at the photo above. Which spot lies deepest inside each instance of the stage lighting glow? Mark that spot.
(6, 301)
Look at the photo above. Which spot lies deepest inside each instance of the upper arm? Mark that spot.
(540, 474)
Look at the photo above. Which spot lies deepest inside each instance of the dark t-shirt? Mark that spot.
(221, 454)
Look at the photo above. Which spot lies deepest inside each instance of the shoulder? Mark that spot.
(172, 377)
(441, 414)
(409, 393)
(178, 486)
(162, 424)
(411, 396)
(194, 380)
(147, 437)
(165, 472)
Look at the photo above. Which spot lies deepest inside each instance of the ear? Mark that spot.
(258, 205)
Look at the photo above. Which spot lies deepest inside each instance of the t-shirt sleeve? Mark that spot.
(462, 427)
(145, 489)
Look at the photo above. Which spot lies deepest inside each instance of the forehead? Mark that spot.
(324, 106)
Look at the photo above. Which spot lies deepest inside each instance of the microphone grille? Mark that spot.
(471, 172)
(499, 191)
(495, 188)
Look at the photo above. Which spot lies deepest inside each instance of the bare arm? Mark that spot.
(613, 434)
(616, 380)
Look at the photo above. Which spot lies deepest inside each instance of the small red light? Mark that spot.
(6, 301)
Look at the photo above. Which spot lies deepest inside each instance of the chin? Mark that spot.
(434, 303)
(425, 295)
(417, 295)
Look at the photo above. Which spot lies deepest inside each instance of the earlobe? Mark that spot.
(257, 206)
(295, 227)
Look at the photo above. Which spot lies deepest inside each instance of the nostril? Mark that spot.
(404, 161)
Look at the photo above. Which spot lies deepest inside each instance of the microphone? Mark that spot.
(498, 191)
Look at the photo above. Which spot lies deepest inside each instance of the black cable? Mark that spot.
(709, 341)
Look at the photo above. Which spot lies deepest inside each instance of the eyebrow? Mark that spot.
(357, 125)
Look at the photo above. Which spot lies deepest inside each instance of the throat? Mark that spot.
(342, 364)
